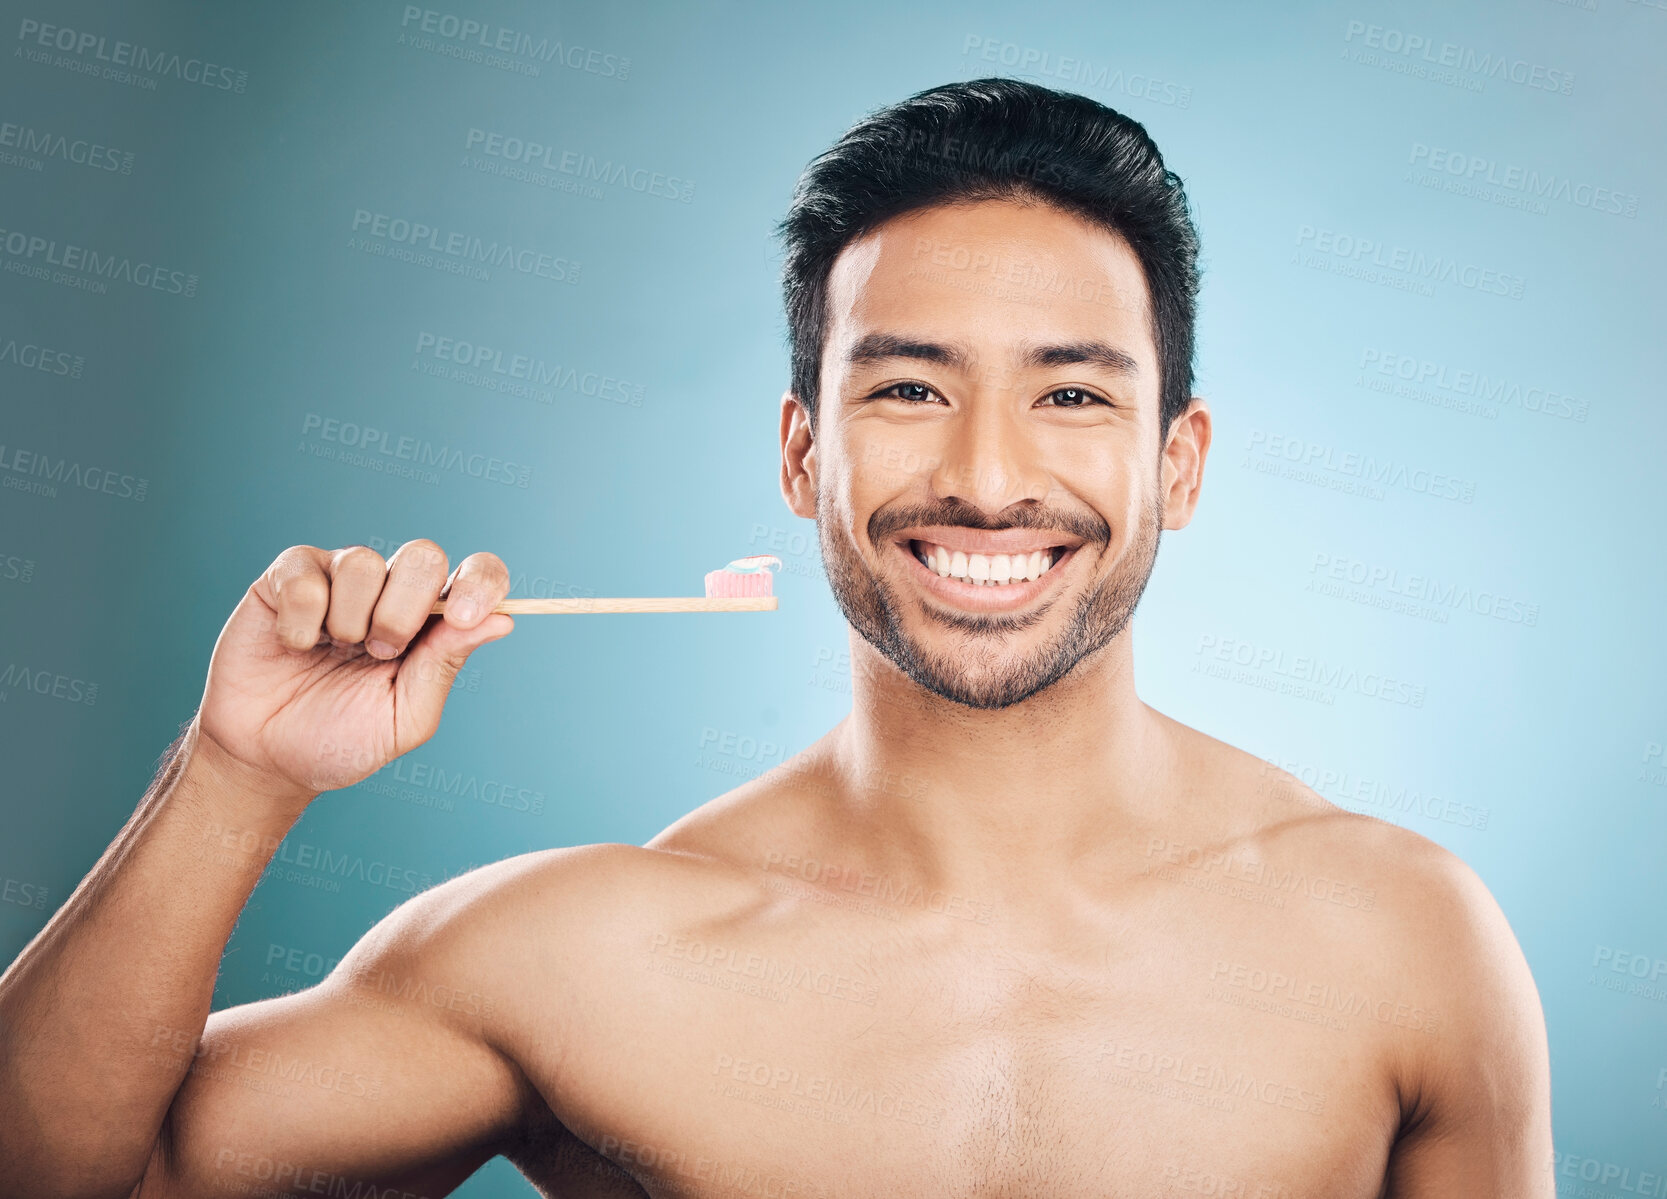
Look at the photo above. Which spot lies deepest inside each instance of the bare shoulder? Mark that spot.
(1439, 963)
(1420, 886)
(1437, 938)
(533, 899)
(787, 809)
(540, 958)
(495, 943)
(553, 907)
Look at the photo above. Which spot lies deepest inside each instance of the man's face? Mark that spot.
(989, 404)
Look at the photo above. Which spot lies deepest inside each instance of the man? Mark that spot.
(1004, 930)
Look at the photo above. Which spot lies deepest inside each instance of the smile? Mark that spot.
(989, 570)
(985, 571)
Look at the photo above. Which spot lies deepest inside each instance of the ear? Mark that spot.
(1183, 464)
(798, 458)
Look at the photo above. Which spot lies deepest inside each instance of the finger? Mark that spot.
(297, 589)
(416, 573)
(357, 575)
(425, 676)
(477, 586)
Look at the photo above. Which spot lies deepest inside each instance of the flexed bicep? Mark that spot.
(384, 1075)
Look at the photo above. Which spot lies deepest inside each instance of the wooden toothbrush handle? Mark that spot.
(648, 603)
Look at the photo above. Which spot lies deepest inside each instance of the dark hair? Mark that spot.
(995, 139)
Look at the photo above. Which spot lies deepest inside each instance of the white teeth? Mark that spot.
(987, 570)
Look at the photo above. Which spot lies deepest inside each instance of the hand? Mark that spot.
(332, 666)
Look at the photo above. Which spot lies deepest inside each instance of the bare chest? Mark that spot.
(845, 1061)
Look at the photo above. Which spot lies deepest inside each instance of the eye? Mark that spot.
(916, 392)
(1076, 397)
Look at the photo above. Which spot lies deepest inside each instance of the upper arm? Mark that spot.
(388, 1072)
(1478, 1097)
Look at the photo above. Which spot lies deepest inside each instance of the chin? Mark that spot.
(994, 678)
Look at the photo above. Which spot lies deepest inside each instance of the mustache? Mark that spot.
(1087, 526)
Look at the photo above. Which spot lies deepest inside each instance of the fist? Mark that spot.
(332, 665)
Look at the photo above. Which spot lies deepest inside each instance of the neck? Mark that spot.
(975, 800)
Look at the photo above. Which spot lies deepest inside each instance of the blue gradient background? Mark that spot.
(1555, 729)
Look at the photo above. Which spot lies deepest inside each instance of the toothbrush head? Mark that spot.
(742, 577)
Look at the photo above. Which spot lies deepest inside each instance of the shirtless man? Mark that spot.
(1003, 931)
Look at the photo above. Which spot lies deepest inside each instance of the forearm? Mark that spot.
(101, 1013)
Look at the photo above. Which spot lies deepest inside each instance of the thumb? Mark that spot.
(431, 664)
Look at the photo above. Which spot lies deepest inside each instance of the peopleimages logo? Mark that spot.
(84, 45)
(1305, 668)
(460, 785)
(1313, 457)
(31, 143)
(1342, 249)
(517, 374)
(1441, 594)
(469, 251)
(31, 256)
(1475, 169)
(44, 682)
(1321, 993)
(1489, 392)
(465, 37)
(1430, 52)
(1359, 789)
(34, 357)
(538, 156)
(1081, 74)
(1610, 1175)
(378, 445)
(41, 474)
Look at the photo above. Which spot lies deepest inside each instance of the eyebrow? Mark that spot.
(882, 347)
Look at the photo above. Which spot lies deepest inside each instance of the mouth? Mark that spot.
(986, 571)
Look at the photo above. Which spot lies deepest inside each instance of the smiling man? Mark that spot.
(1005, 930)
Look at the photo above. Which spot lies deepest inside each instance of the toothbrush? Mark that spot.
(742, 586)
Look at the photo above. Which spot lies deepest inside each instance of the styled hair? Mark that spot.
(994, 139)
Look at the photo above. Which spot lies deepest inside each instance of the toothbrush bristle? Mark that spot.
(742, 577)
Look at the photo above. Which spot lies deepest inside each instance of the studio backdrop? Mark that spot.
(503, 275)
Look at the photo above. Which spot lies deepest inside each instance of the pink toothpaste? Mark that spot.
(742, 578)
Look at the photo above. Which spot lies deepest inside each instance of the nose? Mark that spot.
(990, 460)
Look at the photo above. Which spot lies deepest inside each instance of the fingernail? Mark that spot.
(464, 609)
(380, 649)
